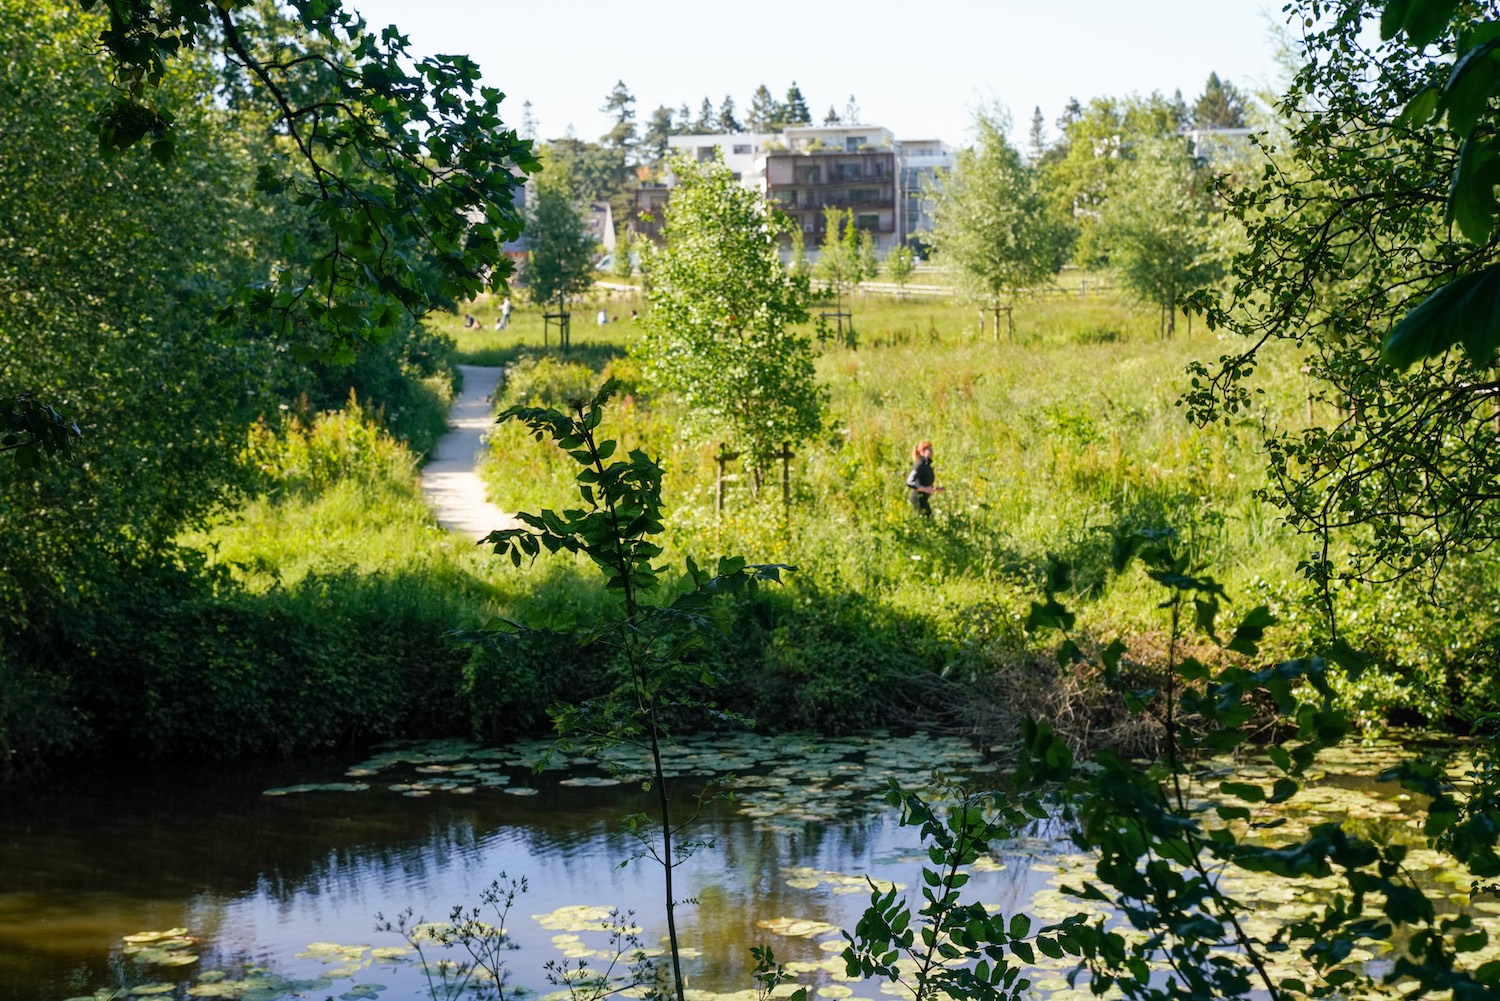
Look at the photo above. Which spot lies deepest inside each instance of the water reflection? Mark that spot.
(109, 853)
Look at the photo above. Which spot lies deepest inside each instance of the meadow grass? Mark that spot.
(1050, 443)
(1045, 443)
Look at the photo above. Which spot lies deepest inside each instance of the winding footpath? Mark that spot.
(450, 480)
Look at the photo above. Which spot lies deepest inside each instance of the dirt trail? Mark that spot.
(450, 480)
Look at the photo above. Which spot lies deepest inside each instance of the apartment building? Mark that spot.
(807, 169)
(841, 167)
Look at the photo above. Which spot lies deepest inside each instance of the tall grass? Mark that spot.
(1049, 443)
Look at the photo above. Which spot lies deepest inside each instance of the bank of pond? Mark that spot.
(264, 882)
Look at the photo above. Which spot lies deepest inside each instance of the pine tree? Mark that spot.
(660, 127)
(528, 122)
(1221, 106)
(1072, 112)
(708, 118)
(766, 115)
(1037, 138)
(1180, 110)
(727, 121)
(684, 121)
(832, 118)
(620, 105)
(796, 107)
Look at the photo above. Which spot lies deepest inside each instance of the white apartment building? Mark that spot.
(810, 168)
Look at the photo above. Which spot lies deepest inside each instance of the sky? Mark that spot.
(921, 69)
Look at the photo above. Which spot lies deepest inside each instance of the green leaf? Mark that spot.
(1282, 790)
(1465, 311)
(1471, 196)
(1393, 18)
(1469, 87)
(1424, 20)
(1251, 630)
(1420, 109)
(1249, 792)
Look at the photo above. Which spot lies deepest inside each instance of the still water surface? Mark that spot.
(255, 879)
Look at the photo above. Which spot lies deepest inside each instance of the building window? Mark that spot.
(853, 143)
(810, 175)
(849, 172)
(706, 153)
(864, 196)
(734, 175)
(742, 148)
(867, 221)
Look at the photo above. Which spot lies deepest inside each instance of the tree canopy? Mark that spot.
(1157, 228)
(387, 151)
(719, 327)
(560, 262)
(1353, 260)
(992, 227)
(1220, 106)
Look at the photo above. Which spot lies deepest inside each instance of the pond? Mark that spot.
(264, 883)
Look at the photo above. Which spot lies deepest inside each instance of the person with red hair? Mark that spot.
(920, 482)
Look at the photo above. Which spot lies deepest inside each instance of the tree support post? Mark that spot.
(724, 458)
(786, 455)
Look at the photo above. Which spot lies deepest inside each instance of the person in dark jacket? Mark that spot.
(920, 481)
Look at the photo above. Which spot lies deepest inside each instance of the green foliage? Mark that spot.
(992, 230)
(389, 159)
(899, 265)
(1220, 106)
(311, 456)
(1171, 834)
(546, 381)
(1346, 232)
(615, 530)
(1156, 227)
(31, 429)
(719, 329)
(1096, 141)
(620, 266)
(561, 261)
(955, 948)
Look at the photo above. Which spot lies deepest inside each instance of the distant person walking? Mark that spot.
(602, 318)
(504, 314)
(920, 481)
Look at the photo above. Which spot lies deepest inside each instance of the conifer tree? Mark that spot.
(620, 105)
(708, 118)
(766, 115)
(1220, 106)
(796, 107)
(1037, 137)
(659, 128)
(726, 120)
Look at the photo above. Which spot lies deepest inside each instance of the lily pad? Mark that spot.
(318, 787)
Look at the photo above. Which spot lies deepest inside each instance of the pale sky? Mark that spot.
(919, 68)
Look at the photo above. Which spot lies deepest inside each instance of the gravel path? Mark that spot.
(450, 480)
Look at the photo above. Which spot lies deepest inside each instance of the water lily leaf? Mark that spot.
(317, 787)
(362, 992)
(576, 917)
(155, 936)
(797, 927)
